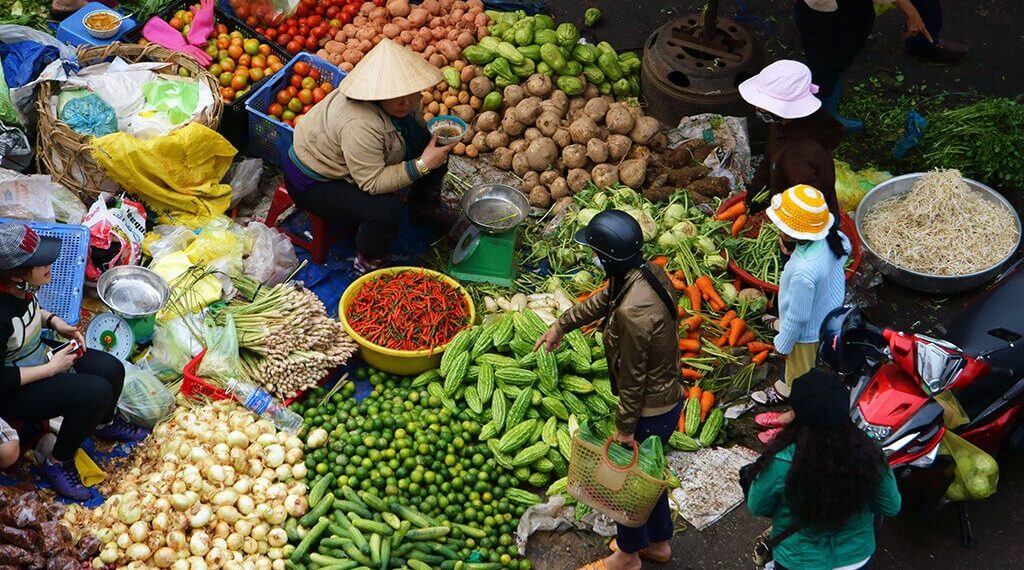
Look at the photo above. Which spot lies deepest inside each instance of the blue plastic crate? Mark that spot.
(270, 139)
(63, 295)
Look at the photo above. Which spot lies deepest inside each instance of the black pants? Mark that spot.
(867, 565)
(831, 40)
(376, 217)
(85, 398)
(659, 524)
(931, 14)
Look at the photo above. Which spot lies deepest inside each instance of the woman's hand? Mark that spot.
(68, 331)
(627, 440)
(912, 21)
(550, 340)
(62, 360)
(435, 155)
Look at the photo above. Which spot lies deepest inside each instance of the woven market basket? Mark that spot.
(626, 494)
(67, 155)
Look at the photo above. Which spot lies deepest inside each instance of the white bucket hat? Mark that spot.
(783, 88)
(388, 71)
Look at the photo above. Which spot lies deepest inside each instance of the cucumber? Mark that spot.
(350, 507)
(410, 514)
(318, 491)
(307, 542)
(325, 504)
(371, 526)
(428, 533)
(374, 502)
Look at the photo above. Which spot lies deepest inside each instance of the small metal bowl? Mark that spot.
(924, 282)
(106, 33)
(133, 291)
(495, 208)
(447, 121)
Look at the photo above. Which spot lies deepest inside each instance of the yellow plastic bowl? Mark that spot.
(402, 362)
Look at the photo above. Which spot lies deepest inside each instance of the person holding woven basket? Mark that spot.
(639, 312)
(363, 151)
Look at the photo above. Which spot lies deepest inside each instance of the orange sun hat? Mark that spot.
(801, 212)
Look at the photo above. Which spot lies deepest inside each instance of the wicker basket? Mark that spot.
(67, 155)
(626, 494)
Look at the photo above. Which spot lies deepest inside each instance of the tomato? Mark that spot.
(236, 35)
(283, 96)
(215, 70)
(252, 21)
(308, 83)
(319, 10)
(318, 95)
(312, 43)
(239, 82)
(244, 60)
(225, 78)
(228, 64)
(259, 62)
(293, 90)
(256, 74)
(251, 46)
(335, 24)
(177, 23)
(293, 47)
(242, 11)
(235, 51)
(301, 68)
(221, 29)
(223, 43)
(315, 20)
(284, 38)
(296, 81)
(212, 51)
(303, 30)
(295, 105)
(306, 96)
(271, 34)
(327, 87)
(378, 2)
(333, 11)
(314, 73)
(228, 94)
(287, 115)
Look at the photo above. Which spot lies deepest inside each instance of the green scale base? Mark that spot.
(492, 261)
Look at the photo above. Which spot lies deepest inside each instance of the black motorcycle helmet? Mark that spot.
(616, 238)
(848, 339)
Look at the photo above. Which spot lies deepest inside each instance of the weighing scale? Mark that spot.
(135, 295)
(486, 251)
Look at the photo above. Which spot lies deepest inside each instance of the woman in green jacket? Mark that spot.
(824, 477)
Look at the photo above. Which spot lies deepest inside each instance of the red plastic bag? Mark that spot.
(116, 232)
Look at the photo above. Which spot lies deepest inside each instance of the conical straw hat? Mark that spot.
(389, 71)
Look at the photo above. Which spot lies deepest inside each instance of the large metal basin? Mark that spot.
(927, 283)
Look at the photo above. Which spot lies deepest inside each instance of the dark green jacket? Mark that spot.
(809, 549)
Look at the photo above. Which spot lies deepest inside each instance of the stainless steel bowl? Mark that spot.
(927, 283)
(133, 291)
(495, 208)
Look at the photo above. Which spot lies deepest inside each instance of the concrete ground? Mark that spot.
(993, 68)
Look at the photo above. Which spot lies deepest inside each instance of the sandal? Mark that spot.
(770, 396)
(768, 420)
(766, 437)
(599, 565)
(614, 546)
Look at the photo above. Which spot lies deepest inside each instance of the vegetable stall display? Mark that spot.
(211, 488)
(32, 534)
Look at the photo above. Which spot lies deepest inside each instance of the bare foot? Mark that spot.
(786, 417)
(620, 560)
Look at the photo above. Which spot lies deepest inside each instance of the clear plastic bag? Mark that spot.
(273, 257)
(89, 115)
(977, 473)
(221, 358)
(173, 346)
(25, 197)
(144, 399)
(244, 178)
(167, 238)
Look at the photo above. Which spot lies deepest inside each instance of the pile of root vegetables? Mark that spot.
(683, 167)
(438, 30)
(558, 144)
(32, 536)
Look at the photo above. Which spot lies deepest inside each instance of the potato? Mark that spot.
(468, 137)
(511, 125)
(472, 151)
(605, 175)
(591, 92)
(562, 137)
(559, 188)
(513, 94)
(582, 130)
(503, 158)
(464, 112)
(578, 179)
(540, 197)
(560, 101)
(519, 145)
(530, 179)
(467, 72)
(619, 120)
(538, 85)
(561, 205)
(575, 156)
(633, 172)
(487, 121)
(528, 110)
(481, 86)
(542, 153)
(658, 142)
(548, 176)
(596, 109)
(576, 106)
(459, 149)
(496, 139)
(480, 141)
(618, 146)
(520, 164)
(548, 122)
(597, 151)
(644, 130)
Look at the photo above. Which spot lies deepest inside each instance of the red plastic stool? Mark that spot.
(323, 238)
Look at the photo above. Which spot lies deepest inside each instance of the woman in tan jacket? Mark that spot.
(360, 154)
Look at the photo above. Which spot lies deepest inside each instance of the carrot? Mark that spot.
(681, 424)
(707, 289)
(732, 212)
(693, 323)
(694, 294)
(756, 347)
(720, 341)
(660, 261)
(736, 329)
(680, 311)
(693, 334)
(689, 354)
(746, 338)
(677, 284)
(726, 319)
(759, 358)
(707, 401)
(689, 344)
(738, 223)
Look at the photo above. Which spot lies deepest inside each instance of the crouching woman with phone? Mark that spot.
(38, 383)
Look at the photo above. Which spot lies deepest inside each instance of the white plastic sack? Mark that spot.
(273, 257)
(556, 515)
(730, 137)
(170, 238)
(244, 178)
(144, 399)
(25, 197)
(67, 206)
(12, 33)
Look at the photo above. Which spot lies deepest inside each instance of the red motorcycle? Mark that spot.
(898, 380)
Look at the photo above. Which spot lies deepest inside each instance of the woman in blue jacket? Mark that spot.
(822, 481)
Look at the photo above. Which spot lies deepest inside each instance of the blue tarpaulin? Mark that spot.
(24, 61)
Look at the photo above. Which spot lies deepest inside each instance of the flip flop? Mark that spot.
(768, 419)
(770, 396)
(599, 565)
(614, 546)
(766, 437)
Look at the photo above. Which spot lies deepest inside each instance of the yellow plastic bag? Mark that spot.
(852, 185)
(977, 473)
(186, 296)
(177, 175)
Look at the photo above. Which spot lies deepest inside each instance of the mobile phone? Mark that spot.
(71, 343)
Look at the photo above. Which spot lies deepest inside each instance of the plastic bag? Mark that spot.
(651, 458)
(273, 257)
(221, 358)
(15, 150)
(144, 399)
(115, 234)
(67, 206)
(268, 12)
(191, 289)
(10, 33)
(729, 136)
(244, 178)
(173, 346)
(25, 197)
(852, 185)
(212, 244)
(89, 115)
(24, 60)
(913, 132)
(176, 98)
(977, 473)
(8, 114)
(167, 238)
